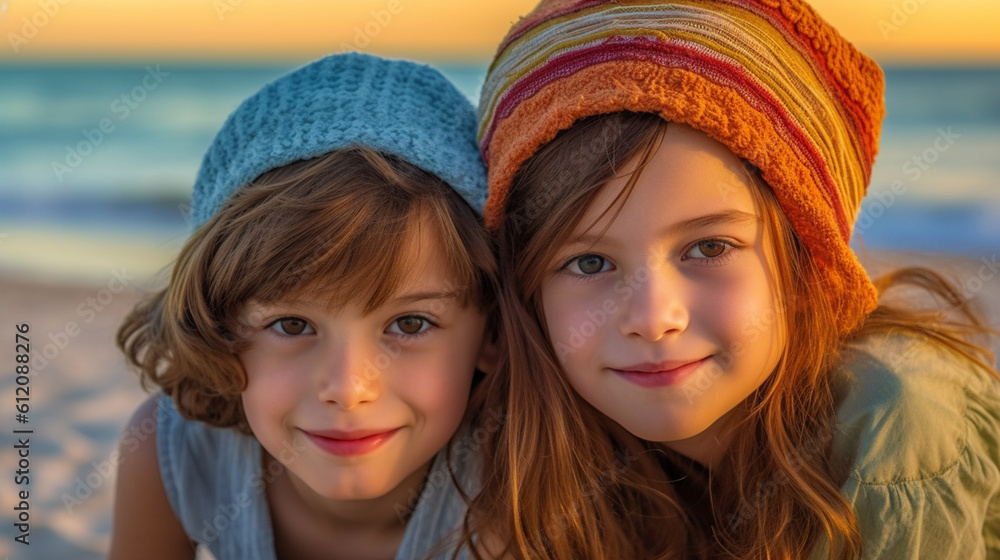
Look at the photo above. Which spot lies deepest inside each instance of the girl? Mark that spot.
(317, 342)
(696, 363)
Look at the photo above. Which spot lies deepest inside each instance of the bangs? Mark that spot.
(345, 227)
(552, 191)
(370, 261)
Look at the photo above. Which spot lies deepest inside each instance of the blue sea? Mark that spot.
(112, 150)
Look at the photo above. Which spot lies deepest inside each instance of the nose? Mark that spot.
(657, 307)
(349, 375)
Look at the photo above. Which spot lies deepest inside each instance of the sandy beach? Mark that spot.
(81, 393)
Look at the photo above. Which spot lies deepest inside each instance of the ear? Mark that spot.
(489, 353)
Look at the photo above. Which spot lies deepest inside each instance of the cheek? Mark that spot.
(573, 313)
(272, 385)
(574, 323)
(437, 383)
(748, 317)
(557, 310)
(262, 415)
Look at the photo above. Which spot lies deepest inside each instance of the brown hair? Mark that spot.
(566, 482)
(327, 225)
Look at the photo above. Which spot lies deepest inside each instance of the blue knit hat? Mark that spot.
(396, 107)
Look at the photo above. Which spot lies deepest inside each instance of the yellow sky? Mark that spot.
(890, 30)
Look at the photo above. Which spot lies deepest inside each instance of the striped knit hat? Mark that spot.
(767, 78)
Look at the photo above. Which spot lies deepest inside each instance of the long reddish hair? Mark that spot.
(564, 481)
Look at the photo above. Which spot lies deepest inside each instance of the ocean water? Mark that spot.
(111, 152)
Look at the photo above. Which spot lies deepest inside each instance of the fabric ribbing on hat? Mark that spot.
(397, 107)
(770, 71)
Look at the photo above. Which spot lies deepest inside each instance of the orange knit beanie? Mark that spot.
(767, 78)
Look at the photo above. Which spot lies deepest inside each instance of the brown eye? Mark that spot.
(712, 249)
(411, 324)
(291, 326)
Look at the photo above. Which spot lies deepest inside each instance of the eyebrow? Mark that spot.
(422, 296)
(734, 217)
(404, 299)
(729, 217)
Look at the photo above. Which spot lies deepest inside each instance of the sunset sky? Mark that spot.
(911, 31)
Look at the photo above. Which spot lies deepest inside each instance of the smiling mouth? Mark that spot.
(663, 374)
(348, 444)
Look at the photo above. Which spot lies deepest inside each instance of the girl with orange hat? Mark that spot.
(696, 364)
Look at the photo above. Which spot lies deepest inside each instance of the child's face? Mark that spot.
(356, 404)
(667, 321)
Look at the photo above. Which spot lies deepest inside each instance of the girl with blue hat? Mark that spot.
(321, 332)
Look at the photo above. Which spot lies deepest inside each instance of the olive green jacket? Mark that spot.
(918, 434)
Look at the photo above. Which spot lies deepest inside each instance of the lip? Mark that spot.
(349, 443)
(659, 374)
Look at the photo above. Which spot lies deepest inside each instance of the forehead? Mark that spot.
(423, 263)
(688, 176)
(368, 276)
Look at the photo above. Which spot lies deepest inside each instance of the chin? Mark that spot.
(666, 430)
(353, 495)
(332, 489)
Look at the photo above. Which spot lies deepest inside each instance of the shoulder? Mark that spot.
(917, 439)
(908, 409)
(214, 483)
(144, 523)
(195, 457)
(138, 440)
(185, 444)
(201, 465)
